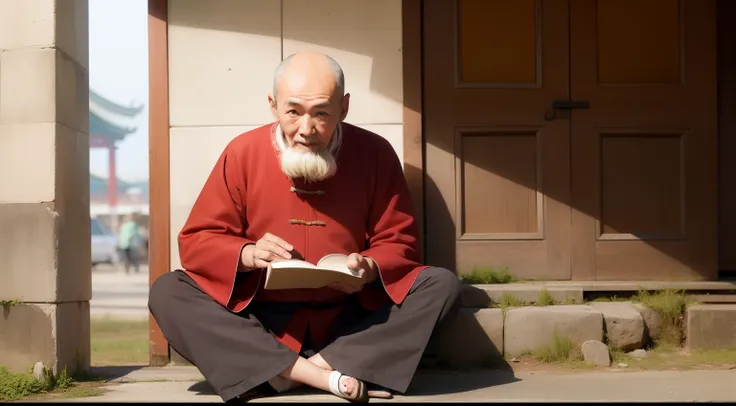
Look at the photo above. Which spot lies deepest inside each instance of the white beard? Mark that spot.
(311, 166)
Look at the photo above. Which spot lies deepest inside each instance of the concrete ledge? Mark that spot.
(531, 328)
(621, 286)
(474, 339)
(487, 295)
(714, 298)
(711, 326)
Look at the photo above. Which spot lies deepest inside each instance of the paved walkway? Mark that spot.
(185, 384)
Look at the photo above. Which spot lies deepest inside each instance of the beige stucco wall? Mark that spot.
(222, 54)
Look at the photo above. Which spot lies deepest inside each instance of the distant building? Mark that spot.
(109, 124)
(130, 196)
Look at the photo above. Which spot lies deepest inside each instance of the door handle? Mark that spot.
(565, 105)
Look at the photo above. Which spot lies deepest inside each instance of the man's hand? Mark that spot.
(267, 249)
(366, 269)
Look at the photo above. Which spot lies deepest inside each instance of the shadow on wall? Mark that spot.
(353, 32)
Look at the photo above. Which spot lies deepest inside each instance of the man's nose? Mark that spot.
(305, 126)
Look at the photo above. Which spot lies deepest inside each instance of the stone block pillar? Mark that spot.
(45, 277)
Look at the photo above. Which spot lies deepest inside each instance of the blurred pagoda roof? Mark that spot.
(98, 185)
(110, 120)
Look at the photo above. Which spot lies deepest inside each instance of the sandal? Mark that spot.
(359, 395)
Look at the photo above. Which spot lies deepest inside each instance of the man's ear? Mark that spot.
(345, 106)
(272, 103)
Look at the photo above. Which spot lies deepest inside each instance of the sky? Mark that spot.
(118, 71)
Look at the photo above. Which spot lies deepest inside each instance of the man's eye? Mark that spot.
(322, 114)
(291, 112)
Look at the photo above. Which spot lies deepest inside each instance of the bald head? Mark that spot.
(309, 102)
(320, 70)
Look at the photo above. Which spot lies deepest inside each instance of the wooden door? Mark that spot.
(497, 178)
(644, 155)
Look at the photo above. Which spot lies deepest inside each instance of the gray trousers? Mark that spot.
(237, 352)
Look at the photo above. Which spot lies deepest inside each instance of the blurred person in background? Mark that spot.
(130, 241)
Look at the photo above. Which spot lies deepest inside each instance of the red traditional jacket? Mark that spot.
(364, 208)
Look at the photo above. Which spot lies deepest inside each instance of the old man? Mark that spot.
(305, 186)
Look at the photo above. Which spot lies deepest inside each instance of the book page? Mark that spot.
(291, 263)
(336, 262)
(299, 274)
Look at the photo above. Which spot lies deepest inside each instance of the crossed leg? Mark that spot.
(236, 353)
(397, 336)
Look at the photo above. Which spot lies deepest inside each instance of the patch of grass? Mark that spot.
(545, 298)
(671, 305)
(570, 301)
(613, 298)
(617, 355)
(562, 350)
(667, 357)
(488, 276)
(84, 386)
(14, 386)
(82, 392)
(119, 342)
(10, 303)
(508, 300)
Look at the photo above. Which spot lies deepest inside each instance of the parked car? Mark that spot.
(104, 244)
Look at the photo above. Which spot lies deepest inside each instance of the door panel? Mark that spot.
(644, 167)
(497, 173)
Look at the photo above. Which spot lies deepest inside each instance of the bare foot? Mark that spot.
(281, 384)
(320, 362)
(348, 385)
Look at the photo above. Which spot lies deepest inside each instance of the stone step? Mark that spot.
(474, 339)
(484, 336)
(715, 298)
(480, 295)
(532, 328)
(710, 326)
(633, 286)
(487, 295)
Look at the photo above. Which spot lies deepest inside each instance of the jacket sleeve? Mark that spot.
(211, 241)
(392, 232)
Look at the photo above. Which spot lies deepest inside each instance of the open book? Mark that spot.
(299, 274)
